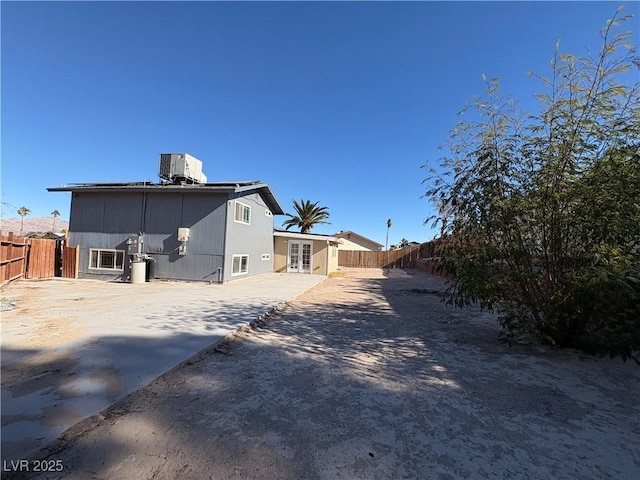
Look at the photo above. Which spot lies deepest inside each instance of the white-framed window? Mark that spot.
(242, 213)
(106, 259)
(266, 256)
(240, 265)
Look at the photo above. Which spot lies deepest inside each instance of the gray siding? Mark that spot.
(253, 240)
(106, 220)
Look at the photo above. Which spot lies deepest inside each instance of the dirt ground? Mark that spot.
(367, 376)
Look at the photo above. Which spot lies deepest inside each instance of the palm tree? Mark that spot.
(308, 215)
(386, 247)
(55, 214)
(23, 212)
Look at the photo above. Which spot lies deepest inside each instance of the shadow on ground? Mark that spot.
(366, 378)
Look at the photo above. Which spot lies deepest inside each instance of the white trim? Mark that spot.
(233, 257)
(235, 211)
(305, 236)
(299, 263)
(115, 259)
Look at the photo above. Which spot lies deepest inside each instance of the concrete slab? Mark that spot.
(70, 348)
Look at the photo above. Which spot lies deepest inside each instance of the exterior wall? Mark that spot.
(333, 258)
(320, 251)
(319, 259)
(107, 219)
(254, 240)
(355, 243)
(280, 251)
(101, 221)
(205, 216)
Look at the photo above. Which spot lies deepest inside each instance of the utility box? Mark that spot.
(133, 245)
(183, 234)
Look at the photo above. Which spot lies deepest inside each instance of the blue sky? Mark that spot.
(335, 102)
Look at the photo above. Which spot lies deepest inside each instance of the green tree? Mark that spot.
(23, 212)
(308, 215)
(55, 214)
(404, 243)
(539, 215)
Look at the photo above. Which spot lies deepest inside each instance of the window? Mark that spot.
(243, 213)
(240, 265)
(266, 256)
(106, 259)
(268, 213)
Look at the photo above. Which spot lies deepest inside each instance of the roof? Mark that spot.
(217, 187)
(349, 233)
(278, 232)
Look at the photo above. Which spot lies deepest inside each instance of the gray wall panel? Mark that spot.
(123, 213)
(106, 213)
(87, 212)
(106, 219)
(191, 267)
(205, 216)
(254, 239)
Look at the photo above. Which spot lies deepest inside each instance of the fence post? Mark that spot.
(9, 265)
(77, 263)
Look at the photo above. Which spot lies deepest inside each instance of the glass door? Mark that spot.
(293, 263)
(305, 266)
(300, 257)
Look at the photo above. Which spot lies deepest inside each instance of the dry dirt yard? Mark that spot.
(369, 376)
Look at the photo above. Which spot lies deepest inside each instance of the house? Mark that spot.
(353, 241)
(187, 229)
(304, 252)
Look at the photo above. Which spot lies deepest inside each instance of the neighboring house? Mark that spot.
(214, 232)
(45, 235)
(353, 241)
(304, 252)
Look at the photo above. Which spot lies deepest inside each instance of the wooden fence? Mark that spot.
(41, 260)
(398, 258)
(13, 258)
(36, 258)
(70, 261)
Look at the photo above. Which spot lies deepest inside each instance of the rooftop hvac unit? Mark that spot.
(179, 167)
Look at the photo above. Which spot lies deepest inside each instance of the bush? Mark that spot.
(541, 214)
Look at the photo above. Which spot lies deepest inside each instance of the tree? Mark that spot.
(539, 215)
(55, 214)
(404, 243)
(386, 243)
(23, 212)
(308, 215)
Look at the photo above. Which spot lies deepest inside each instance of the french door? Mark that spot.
(299, 257)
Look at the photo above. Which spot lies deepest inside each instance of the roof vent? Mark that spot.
(181, 168)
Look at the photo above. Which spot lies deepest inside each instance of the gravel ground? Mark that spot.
(367, 376)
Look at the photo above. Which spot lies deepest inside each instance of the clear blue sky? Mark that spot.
(334, 102)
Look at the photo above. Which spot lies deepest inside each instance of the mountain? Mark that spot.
(31, 224)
